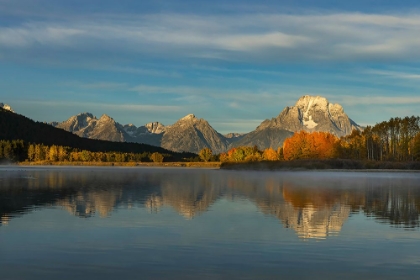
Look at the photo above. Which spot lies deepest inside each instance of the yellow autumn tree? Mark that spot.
(156, 157)
(270, 154)
(205, 154)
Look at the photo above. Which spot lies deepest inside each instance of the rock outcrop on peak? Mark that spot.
(75, 123)
(106, 128)
(6, 107)
(155, 127)
(88, 126)
(310, 113)
(193, 134)
(150, 133)
(315, 113)
(233, 135)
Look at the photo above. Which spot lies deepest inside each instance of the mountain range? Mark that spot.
(17, 127)
(310, 113)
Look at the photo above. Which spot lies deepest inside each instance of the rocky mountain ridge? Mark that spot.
(106, 128)
(193, 134)
(310, 113)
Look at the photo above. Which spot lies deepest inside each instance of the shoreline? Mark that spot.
(22, 167)
(333, 165)
(327, 165)
(121, 164)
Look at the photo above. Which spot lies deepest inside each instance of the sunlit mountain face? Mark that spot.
(309, 203)
(310, 113)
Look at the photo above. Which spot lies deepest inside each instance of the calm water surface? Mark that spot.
(149, 223)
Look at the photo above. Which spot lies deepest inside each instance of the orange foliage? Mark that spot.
(231, 152)
(270, 154)
(304, 145)
(319, 196)
(223, 157)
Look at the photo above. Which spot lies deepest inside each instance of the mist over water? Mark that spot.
(201, 223)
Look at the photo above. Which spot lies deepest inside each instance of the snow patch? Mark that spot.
(307, 120)
(6, 107)
(311, 101)
(310, 123)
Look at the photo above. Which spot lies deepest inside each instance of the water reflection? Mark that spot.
(314, 211)
(188, 195)
(313, 204)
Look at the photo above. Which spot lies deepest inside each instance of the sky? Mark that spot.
(233, 63)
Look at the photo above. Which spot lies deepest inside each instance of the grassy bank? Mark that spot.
(339, 164)
(127, 164)
(321, 164)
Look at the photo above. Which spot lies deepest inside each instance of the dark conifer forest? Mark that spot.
(19, 133)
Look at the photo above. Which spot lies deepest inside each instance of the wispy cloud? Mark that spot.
(395, 74)
(378, 100)
(105, 107)
(39, 34)
(104, 85)
(267, 37)
(150, 71)
(234, 98)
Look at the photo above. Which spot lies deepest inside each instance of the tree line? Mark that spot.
(244, 153)
(395, 140)
(14, 126)
(18, 150)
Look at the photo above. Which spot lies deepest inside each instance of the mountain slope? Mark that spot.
(264, 138)
(151, 133)
(315, 113)
(192, 134)
(310, 113)
(15, 126)
(187, 134)
(106, 128)
(88, 126)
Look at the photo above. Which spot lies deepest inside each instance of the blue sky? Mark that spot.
(233, 63)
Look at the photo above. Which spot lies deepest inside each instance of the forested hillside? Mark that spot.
(14, 126)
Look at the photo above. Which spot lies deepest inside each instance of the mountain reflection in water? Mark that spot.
(313, 204)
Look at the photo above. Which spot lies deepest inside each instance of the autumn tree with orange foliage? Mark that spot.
(315, 145)
(270, 154)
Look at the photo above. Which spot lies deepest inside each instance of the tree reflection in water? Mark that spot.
(314, 204)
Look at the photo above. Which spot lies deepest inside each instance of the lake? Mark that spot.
(174, 223)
